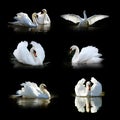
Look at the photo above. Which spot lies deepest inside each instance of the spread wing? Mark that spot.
(96, 18)
(72, 17)
(22, 19)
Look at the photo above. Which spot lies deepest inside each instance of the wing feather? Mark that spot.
(96, 18)
(72, 17)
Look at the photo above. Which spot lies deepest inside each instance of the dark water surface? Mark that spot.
(58, 73)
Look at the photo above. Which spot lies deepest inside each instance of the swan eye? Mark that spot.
(44, 86)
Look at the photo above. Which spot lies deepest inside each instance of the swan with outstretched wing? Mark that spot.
(85, 21)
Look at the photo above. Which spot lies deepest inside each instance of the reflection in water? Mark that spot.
(40, 28)
(79, 65)
(78, 27)
(17, 64)
(88, 104)
(24, 102)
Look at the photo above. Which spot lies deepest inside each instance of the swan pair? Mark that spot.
(85, 21)
(31, 90)
(91, 88)
(40, 18)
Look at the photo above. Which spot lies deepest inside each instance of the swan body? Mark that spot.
(88, 104)
(84, 22)
(88, 90)
(35, 56)
(31, 90)
(87, 55)
(43, 18)
(22, 19)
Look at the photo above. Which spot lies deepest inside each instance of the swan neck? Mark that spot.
(76, 54)
(45, 92)
(88, 90)
(34, 20)
(84, 14)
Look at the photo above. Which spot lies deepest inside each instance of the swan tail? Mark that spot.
(90, 54)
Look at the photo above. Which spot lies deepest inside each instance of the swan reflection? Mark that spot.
(39, 28)
(33, 102)
(88, 104)
(18, 65)
(79, 65)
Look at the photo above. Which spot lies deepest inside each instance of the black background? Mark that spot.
(58, 76)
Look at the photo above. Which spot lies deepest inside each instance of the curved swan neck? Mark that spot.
(76, 54)
(88, 88)
(34, 15)
(44, 91)
(35, 56)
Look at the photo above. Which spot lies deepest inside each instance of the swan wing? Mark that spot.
(96, 18)
(23, 19)
(39, 49)
(28, 90)
(88, 53)
(80, 88)
(22, 54)
(40, 18)
(43, 18)
(72, 17)
(96, 88)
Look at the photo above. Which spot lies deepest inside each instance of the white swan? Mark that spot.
(43, 17)
(84, 22)
(88, 104)
(87, 55)
(22, 19)
(88, 90)
(35, 56)
(31, 90)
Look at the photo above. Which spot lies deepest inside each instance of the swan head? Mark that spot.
(37, 53)
(73, 48)
(33, 52)
(44, 11)
(35, 15)
(43, 86)
(88, 85)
